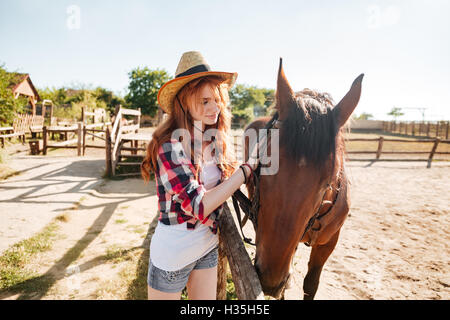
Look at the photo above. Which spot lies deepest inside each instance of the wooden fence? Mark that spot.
(97, 129)
(380, 151)
(77, 129)
(22, 124)
(80, 130)
(415, 128)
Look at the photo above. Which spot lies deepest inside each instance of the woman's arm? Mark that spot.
(220, 193)
(177, 177)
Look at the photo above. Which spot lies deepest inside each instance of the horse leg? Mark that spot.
(318, 257)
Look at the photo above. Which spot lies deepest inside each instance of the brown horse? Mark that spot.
(310, 187)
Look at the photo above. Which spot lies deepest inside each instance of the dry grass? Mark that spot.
(6, 172)
(14, 262)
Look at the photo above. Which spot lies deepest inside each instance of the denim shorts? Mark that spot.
(175, 281)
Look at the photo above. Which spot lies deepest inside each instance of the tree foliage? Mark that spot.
(249, 101)
(363, 116)
(143, 89)
(9, 106)
(69, 101)
(395, 112)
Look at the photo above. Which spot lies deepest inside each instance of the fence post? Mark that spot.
(437, 129)
(446, 131)
(83, 114)
(84, 139)
(108, 152)
(79, 134)
(244, 275)
(380, 146)
(413, 125)
(139, 118)
(428, 128)
(430, 158)
(44, 137)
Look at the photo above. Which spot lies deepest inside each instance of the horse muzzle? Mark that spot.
(276, 291)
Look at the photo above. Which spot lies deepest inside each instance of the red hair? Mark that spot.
(181, 119)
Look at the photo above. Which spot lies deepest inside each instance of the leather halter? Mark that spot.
(251, 208)
(317, 216)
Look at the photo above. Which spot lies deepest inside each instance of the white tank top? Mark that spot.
(174, 246)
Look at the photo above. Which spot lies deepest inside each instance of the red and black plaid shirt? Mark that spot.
(180, 194)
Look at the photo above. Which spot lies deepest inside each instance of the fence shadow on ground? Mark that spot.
(137, 290)
(37, 287)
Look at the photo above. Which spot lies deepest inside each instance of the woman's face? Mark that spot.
(207, 107)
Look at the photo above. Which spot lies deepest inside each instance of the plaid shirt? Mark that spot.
(180, 194)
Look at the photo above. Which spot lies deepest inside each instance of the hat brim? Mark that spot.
(167, 92)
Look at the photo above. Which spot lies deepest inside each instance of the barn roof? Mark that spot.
(18, 79)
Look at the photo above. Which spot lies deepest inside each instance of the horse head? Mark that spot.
(310, 154)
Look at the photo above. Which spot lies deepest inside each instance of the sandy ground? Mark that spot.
(394, 245)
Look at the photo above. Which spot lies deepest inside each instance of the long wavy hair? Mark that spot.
(180, 118)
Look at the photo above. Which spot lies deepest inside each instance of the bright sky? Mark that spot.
(402, 47)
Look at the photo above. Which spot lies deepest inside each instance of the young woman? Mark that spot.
(194, 177)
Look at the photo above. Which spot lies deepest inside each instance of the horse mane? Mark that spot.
(310, 131)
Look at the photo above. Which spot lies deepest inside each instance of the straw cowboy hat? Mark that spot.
(192, 65)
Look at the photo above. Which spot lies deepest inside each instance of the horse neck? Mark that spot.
(339, 165)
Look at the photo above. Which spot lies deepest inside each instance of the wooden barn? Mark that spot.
(21, 85)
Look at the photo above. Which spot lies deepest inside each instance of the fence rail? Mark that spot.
(380, 151)
(419, 128)
(77, 129)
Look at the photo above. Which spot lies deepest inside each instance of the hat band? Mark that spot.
(193, 70)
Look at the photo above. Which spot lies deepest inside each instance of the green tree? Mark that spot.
(244, 99)
(143, 89)
(363, 116)
(109, 98)
(269, 96)
(58, 96)
(395, 112)
(9, 106)
(68, 101)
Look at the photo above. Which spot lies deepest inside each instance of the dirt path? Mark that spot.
(104, 235)
(395, 244)
(46, 187)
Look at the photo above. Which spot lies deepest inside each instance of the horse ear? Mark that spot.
(345, 107)
(285, 94)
